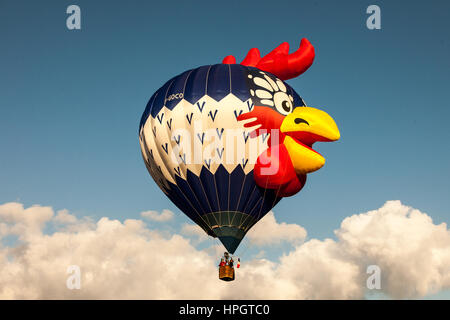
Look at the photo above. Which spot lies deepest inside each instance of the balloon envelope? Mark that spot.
(201, 156)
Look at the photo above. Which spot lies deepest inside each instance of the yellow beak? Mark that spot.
(302, 128)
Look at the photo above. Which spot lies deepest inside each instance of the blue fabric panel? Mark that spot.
(175, 93)
(189, 193)
(176, 197)
(196, 84)
(160, 98)
(237, 178)
(239, 85)
(223, 186)
(268, 201)
(196, 186)
(218, 81)
(147, 110)
(180, 201)
(298, 101)
(254, 199)
(207, 181)
(247, 192)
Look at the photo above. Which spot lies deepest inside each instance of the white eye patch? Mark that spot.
(263, 83)
(282, 103)
(271, 92)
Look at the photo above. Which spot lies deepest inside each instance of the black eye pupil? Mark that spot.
(285, 105)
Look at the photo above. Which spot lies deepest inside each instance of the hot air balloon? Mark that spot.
(210, 136)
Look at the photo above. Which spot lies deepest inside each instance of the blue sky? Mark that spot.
(71, 101)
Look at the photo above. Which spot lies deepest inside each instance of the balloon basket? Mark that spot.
(226, 273)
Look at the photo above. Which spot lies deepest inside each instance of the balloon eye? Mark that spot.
(282, 103)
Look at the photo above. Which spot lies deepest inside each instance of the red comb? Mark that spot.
(279, 62)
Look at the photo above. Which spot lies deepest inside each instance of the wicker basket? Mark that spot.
(226, 273)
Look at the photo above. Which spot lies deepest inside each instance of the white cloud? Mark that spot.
(268, 232)
(412, 252)
(126, 260)
(194, 231)
(165, 215)
(64, 217)
(25, 223)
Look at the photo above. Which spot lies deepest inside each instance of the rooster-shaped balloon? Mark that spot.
(198, 135)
